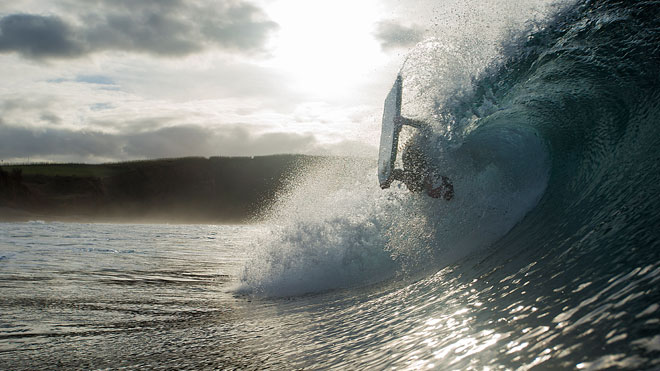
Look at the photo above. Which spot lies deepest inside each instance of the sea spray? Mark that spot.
(326, 232)
(335, 228)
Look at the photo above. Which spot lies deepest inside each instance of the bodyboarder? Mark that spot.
(418, 176)
(417, 173)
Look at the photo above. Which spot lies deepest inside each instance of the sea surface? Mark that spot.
(97, 296)
(109, 296)
(547, 257)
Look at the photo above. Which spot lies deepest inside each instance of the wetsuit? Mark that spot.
(417, 175)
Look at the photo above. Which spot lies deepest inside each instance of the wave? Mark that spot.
(554, 140)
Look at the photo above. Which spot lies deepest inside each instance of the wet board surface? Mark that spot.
(389, 136)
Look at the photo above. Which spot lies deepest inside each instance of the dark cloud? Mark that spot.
(34, 106)
(237, 27)
(190, 140)
(38, 37)
(144, 32)
(50, 118)
(175, 141)
(19, 142)
(392, 34)
(167, 28)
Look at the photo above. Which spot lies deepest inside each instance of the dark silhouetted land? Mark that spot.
(186, 190)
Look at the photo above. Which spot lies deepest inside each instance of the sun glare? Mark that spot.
(325, 47)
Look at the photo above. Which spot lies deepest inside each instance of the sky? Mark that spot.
(112, 80)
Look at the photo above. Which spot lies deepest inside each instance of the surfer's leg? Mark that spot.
(449, 188)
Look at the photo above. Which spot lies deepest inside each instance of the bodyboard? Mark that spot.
(389, 136)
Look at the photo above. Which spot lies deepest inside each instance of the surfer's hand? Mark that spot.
(397, 174)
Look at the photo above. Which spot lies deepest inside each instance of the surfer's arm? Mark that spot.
(414, 123)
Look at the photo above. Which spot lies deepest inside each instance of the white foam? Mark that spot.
(327, 232)
(337, 229)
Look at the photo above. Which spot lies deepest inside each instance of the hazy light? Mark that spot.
(325, 47)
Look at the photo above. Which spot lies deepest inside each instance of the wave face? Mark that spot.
(553, 147)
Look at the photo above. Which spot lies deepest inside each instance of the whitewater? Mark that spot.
(548, 256)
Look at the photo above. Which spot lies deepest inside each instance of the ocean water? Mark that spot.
(103, 296)
(99, 296)
(548, 257)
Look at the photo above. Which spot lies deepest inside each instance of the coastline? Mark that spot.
(191, 190)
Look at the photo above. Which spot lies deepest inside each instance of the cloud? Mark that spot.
(51, 118)
(35, 109)
(165, 28)
(38, 37)
(392, 34)
(19, 142)
(175, 141)
(187, 140)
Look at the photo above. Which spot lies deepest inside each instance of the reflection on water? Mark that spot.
(117, 296)
(451, 321)
(80, 296)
